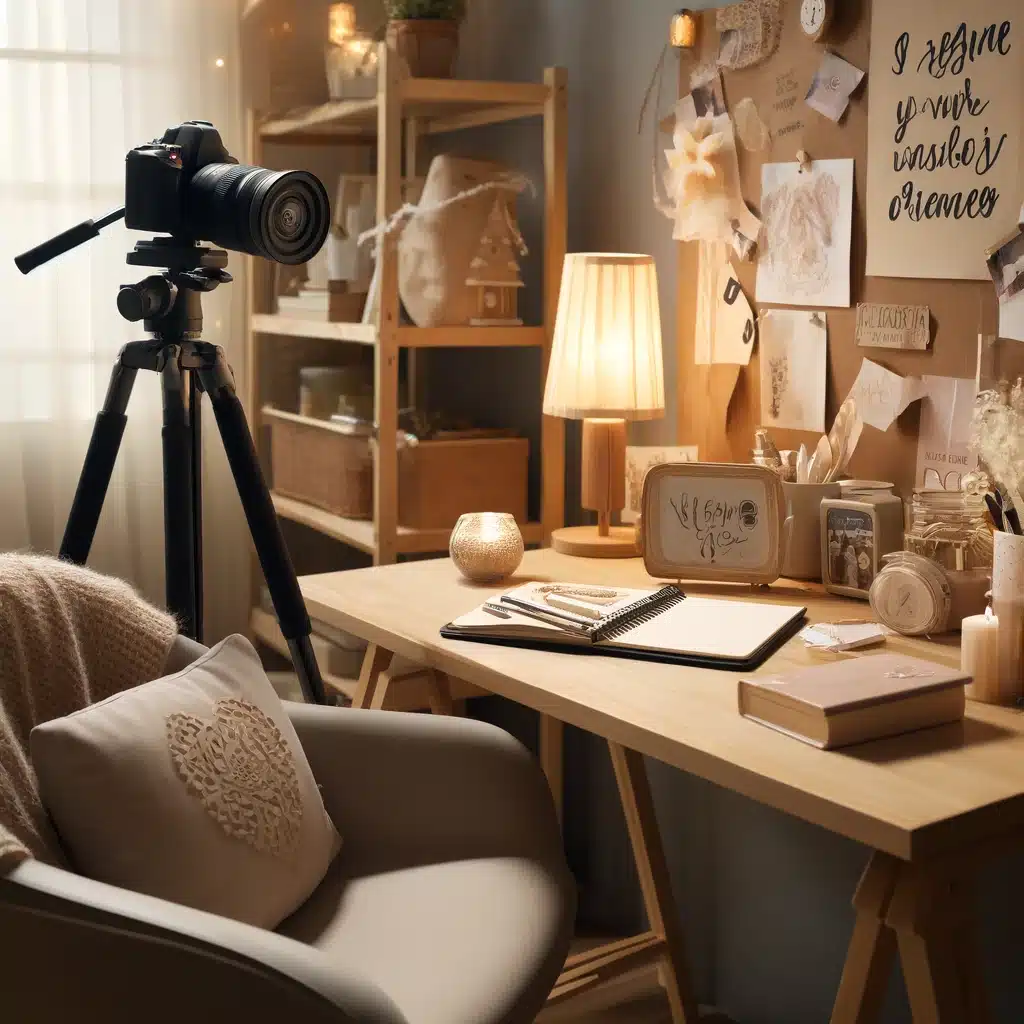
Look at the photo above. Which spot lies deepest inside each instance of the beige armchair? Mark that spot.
(450, 902)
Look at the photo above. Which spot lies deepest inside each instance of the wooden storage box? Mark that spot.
(439, 480)
(322, 463)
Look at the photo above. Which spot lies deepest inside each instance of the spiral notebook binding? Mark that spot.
(642, 611)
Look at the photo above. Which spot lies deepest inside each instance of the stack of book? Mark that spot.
(333, 303)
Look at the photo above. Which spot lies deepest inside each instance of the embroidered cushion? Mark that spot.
(193, 788)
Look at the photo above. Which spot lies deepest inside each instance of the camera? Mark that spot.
(186, 184)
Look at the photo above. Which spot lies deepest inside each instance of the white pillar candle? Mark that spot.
(979, 656)
(1008, 605)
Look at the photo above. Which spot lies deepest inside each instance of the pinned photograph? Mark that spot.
(1006, 265)
(835, 81)
(640, 460)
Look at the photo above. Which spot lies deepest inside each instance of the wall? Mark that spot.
(765, 898)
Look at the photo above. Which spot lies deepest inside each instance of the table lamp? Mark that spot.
(605, 368)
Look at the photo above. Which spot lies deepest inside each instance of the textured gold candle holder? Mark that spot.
(486, 546)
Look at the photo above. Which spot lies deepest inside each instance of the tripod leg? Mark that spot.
(179, 568)
(263, 525)
(98, 467)
(195, 413)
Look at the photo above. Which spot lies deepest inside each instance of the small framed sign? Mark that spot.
(711, 521)
(857, 531)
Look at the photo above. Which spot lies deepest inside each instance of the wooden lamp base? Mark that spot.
(604, 491)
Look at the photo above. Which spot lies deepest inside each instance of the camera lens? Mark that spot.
(281, 215)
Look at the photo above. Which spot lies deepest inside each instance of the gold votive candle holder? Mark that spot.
(486, 546)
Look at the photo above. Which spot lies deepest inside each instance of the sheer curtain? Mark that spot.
(81, 82)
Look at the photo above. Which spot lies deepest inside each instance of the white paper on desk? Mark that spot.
(943, 447)
(1011, 318)
(882, 395)
(805, 246)
(793, 355)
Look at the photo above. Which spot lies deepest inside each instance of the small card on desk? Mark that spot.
(663, 624)
(856, 700)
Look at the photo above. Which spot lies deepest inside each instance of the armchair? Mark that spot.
(449, 903)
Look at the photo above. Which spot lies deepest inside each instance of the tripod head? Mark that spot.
(169, 303)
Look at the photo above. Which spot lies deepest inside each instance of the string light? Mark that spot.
(683, 29)
(219, 62)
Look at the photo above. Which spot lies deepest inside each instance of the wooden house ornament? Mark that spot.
(494, 270)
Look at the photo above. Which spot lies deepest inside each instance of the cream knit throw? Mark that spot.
(68, 637)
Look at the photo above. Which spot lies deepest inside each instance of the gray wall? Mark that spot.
(765, 899)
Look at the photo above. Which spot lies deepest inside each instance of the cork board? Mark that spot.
(722, 428)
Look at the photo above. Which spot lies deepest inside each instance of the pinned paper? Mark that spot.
(881, 395)
(944, 457)
(880, 325)
(751, 130)
(1006, 266)
(1011, 318)
(808, 221)
(835, 81)
(726, 327)
(793, 356)
(705, 99)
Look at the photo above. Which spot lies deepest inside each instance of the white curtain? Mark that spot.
(82, 82)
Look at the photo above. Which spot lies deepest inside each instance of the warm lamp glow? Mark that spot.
(342, 24)
(606, 359)
(682, 31)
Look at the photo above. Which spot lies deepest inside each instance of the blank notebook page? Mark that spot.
(709, 628)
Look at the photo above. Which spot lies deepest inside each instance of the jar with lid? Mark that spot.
(951, 529)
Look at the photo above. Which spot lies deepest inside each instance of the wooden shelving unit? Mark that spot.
(404, 111)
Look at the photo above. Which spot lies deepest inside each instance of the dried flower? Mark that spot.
(997, 435)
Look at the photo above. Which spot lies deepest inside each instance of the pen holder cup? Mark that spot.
(1008, 605)
(803, 552)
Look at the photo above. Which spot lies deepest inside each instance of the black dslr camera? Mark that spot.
(187, 185)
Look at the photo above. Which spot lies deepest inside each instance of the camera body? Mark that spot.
(157, 176)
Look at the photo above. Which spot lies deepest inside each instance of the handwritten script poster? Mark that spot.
(944, 135)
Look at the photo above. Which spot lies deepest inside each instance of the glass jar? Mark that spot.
(951, 529)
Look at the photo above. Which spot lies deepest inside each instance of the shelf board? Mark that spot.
(408, 336)
(264, 627)
(471, 337)
(440, 104)
(298, 327)
(359, 532)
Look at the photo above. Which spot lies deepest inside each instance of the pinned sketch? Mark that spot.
(805, 249)
(944, 456)
(835, 81)
(793, 354)
(640, 460)
(881, 395)
(725, 323)
(1006, 266)
(881, 325)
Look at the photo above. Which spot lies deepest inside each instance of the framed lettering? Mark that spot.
(944, 135)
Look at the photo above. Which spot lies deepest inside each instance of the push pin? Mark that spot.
(804, 161)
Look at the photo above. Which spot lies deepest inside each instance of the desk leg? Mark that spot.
(551, 758)
(376, 662)
(649, 855)
(872, 951)
(933, 921)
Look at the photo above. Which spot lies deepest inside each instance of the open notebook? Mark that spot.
(662, 625)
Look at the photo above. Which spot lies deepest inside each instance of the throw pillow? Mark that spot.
(193, 788)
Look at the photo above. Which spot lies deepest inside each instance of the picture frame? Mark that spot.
(855, 536)
(714, 521)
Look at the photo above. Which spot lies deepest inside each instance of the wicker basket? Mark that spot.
(322, 463)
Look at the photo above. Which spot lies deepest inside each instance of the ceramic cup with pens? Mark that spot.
(803, 552)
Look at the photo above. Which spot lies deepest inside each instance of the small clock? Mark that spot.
(815, 17)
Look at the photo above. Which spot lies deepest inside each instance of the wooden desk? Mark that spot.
(929, 804)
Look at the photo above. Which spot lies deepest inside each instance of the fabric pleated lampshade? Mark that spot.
(606, 357)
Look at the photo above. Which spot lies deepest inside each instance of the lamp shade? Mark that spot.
(606, 357)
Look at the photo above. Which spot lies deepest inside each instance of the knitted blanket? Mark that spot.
(68, 637)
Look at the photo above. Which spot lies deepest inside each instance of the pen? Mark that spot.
(995, 512)
(565, 620)
(496, 610)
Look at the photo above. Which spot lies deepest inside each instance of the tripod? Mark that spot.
(170, 305)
